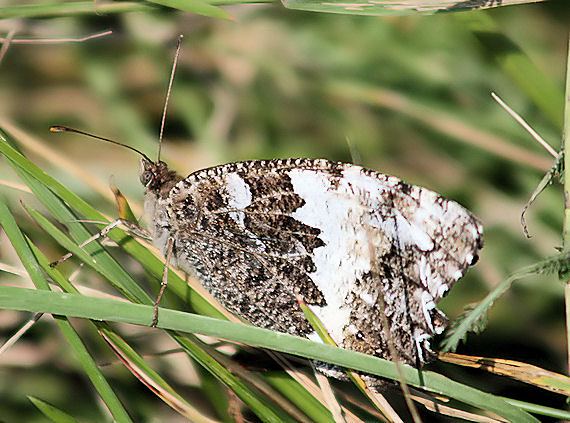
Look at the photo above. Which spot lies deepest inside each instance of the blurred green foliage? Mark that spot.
(411, 94)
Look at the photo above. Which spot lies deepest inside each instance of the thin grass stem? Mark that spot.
(566, 229)
(525, 125)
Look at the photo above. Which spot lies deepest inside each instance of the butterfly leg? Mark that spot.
(164, 280)
(131, 227)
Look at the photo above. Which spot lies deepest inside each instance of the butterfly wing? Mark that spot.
(355, 244)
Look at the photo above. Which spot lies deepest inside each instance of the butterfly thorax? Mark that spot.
(158, 181)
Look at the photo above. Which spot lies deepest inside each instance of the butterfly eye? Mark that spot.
(146, 177)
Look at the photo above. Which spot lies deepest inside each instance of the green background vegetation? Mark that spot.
(411, 94)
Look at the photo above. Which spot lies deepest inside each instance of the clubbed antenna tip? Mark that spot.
(60, 128)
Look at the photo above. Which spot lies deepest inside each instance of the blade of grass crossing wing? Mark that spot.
(102, 309)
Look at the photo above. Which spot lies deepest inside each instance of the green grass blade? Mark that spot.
(142, 371)
(195, 6)
(90, 367)
(53, 203)
(53, 273)
(125, 285)
(48, 10)
(285, 406)
(8, 223)
(78, 8)
(316, 411)
(52, 412)
(246, 394)
(215, 392)
(562, 415)
(92, 370)
(126, 353)
(94, 252)
(112, 310)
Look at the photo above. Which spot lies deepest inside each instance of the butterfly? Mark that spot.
(354, 244)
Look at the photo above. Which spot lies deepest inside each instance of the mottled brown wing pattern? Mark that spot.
(259, 233)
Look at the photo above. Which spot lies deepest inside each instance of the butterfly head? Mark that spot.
(156, 177)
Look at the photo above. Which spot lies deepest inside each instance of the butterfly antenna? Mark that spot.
(174, 64)
(77, 131)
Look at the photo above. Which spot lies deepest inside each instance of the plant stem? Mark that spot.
(566, 229)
